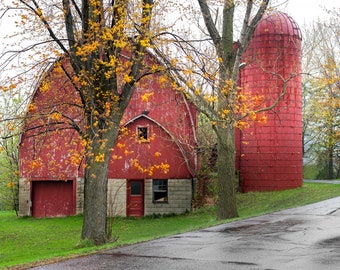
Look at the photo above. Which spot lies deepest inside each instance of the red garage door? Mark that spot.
(52, 198)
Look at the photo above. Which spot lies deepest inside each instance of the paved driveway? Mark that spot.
(301, 238)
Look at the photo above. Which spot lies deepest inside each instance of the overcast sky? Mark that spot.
(302, 11)
(306, 11)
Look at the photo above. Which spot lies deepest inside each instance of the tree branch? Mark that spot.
(37, 11)
(69, 24)
(209, 23)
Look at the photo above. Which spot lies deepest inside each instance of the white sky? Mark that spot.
(306, 11)
(302, 11)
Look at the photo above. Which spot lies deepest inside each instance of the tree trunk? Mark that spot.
(228, 70)
(226, 178)
(95, 204)
(330, 164)
(98, 155)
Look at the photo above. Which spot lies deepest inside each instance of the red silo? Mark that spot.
(269, 154)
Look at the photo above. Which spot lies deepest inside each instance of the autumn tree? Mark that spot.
(9, 165)
(94, 36)
(208, 74)
(229, 63)
(9, 181)
(321, 92)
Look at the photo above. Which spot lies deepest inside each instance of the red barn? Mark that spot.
(152, 165)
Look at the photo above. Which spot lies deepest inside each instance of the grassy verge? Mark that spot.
(28, 240)
(310, 171)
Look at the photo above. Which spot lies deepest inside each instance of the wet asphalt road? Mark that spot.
(301, 238)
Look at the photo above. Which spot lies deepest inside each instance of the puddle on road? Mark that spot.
(184, 236)
(265, 227)
(330, 242)
(330, 250)
(243, 228)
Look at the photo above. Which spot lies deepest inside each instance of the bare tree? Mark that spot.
(209, 76)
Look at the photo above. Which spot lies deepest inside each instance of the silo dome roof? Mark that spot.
(277, 23)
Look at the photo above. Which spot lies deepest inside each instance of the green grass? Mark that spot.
(28, 240)
(310, 172)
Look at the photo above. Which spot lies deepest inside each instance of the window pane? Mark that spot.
(160, 184)
(135, 188)
(160, 191)
(142, 133)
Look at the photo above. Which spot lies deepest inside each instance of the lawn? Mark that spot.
(28, 241)
(310, 171)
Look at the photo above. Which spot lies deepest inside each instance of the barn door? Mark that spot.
(135, 198)
(52, 198)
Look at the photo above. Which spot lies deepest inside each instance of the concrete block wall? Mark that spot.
(179, 197)
(24, 197)
(116, 197)
(79, 195)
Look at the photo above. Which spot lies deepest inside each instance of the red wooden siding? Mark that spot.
(160, 150)
(57, 154)
(51, 149)
(53, 155)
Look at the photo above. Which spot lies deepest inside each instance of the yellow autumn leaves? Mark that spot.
(163, 167)
(99, 158)
(8, 88)
(145, 97)
(10, 184)
(99, 36)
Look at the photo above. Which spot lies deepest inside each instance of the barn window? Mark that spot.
(142, 133)
(135, 188)
(160, 191)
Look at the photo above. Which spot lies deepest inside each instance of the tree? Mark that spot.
(94, 35)
(207, 152)
(321, 110)
(209, 76)
(10, 104)
(229, 63)
(9, 174)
